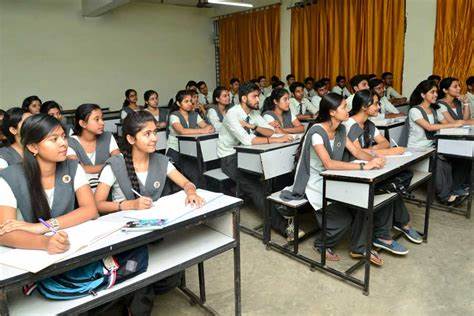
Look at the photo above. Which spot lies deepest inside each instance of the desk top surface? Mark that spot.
(390, 123)
(465, 132)
(198, 136)
(265, 147)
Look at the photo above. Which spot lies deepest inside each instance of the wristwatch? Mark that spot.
(361, 165)
(254, 127)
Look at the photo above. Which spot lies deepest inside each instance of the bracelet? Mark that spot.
(189, 183)
(120, 205)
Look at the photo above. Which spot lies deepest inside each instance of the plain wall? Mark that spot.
(47, 48)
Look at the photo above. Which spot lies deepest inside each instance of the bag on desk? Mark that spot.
(396, 184)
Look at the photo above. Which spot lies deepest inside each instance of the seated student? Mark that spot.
(278, 84)
(301, 107)
(234, 91)
(198, 107)
(358, 82)
(387, 109)
(434, 78)
(340, 87)
(326, 81)
(453, 106)
(290, 79)
(54, 109)
(470, 93)
(183, 120)
(263, 84)
(151, 105)
(90, 144)
(308, 88)
(139, 169)
(204, 95)
(12, 153)
(391, 94)
(32, 104)
(274, 79)
(321, 91)
(130, 103)
(424, 119)
(192, 85)
(276, 111)
(219, 108)
(322, 149)
(363, 133)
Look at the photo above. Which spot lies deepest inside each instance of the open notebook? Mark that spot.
(80, 237)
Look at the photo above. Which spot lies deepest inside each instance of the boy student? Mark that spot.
(321, 91)
(389, 91)
(470, 93)
(290, 78)
(234, 91)
(239, 127)
(263, 84)
(301, 107)
(205, 97)
(358, 82)
(326, 81)
(340, 87)
(308, 88)
(387, 110)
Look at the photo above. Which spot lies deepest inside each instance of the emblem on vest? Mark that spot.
(66, 178)
(338, 144)
(157, 184)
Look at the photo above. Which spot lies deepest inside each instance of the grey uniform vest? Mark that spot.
(406, 128)
(219, 114)
(455, 114)
(101, 149)
(64, 196)
(155, 181)
(10, 155)
(303, 171)
(287, 123)
(366, 136)
(192, 117)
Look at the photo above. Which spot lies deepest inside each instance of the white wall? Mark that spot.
(47, 48)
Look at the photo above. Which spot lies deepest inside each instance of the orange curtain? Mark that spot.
(249, 44)
(348, 37)
(454, 39)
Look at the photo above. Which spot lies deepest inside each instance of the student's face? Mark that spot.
(153, 100)
(132, 97)
(95, 123)
(379, 90)
(235, 86)
(195, 100)
(373, 109)
(340, 114)
(145, 140)
(224, 98)
(251, 100)
(187, 104)
(454, 89)
(299, 93)
(54, 112)
(364, 84)
(388, 80)
(322, 91)
(430, 96)
(34, 107)
(309, 85)
(291, 80)
(203, 89)
(53, 148)
(284, 103)
(342, 83)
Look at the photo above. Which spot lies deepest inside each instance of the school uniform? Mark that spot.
(205, 99)
(308, 94)
(126, 111)
(302, 107)
(215, 117)
(261, 101)
(390, 92)
(386, 107)
(470, 98)
(287, 116)
(456, 113)
(162, 116)
(349, 102)
(9, 156)
(234, 98)
(344, 92)
(105, 145)
(316, 100)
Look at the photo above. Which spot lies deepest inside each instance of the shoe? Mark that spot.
(411, 234)
(290, 230)
(458, 201)
(394, 247)
(330, 254)
(374, 257)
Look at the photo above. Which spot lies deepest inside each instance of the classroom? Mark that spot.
(236, 157)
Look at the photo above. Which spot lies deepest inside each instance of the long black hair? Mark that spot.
(34, 130)
(28, 100)
(83, 113)
(445, 84)
(422, 87)
(276, 95)
(11, 118)
(147, 95)
(179, 98)
(132, 124)
(363, 99)
(127, 95)
(48, 105)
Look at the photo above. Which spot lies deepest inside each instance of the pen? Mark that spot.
(137, 193)
(42, 221)
(394, 142)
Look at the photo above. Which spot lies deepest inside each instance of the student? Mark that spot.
(276, 111)
(340, 87)
(219, 108)
(290, 79)
(52, 108)
(130, 103)
(263, 84)
(139, 168)
(453, 106)
(90, 144)
(308, 88)
(358, 82)
(321, 90)
(363, 133)
(322, 149)
(278, 84)
(198, 107)
(470, 93)
(389, 91)
(387, 109)
(151, 105)
(327, 82)
(183, 120)
(205, 96)
(424, 119)
(434, 78)
(239, 127)
(301, 107)
(192, 85)
(12, 153)
(234, 91)
(371, 76)
(32, 104)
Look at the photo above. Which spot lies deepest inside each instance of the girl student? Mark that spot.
(139, 169)
(11, 126)
(453, 106)
(276, 111)
(54, 109)
(151, 105)
(217, 111)
(90, 144)
(198, 107)
(130, 103)
(183, 120)
(424, 119)
(32, 104)
(322, 149)
(363, 133)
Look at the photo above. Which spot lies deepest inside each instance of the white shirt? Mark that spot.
(203, 98)
(172, 139)
(470, 98)
(315, 101)
(234, 98)
(213, 118)
(3, 163)
(307, 107)
(261, 101)
(270, 118)
(387, 107)
(233, 134)
(341, 91)
(417, 137)
(112, 146)
(107, 176)
(390, 92)
(309, 93)
(349, 102)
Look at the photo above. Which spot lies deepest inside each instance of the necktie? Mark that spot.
(205, 98)
(301, 108)
(247, 120)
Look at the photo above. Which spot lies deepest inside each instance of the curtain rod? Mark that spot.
(248, 11)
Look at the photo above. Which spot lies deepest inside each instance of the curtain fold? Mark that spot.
(348, 37)
(249, 44)
(454, 39)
